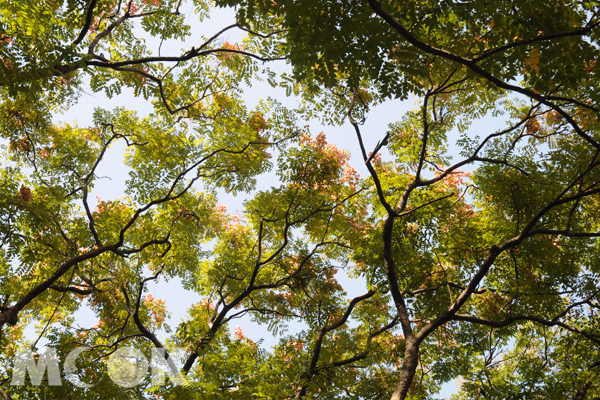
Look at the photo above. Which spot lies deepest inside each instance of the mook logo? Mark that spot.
(126, 366)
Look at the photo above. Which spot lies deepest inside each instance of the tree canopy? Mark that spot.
(475, 229)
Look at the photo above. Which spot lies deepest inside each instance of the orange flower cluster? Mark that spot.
(334, 157)
(25, 194)
(238, 333)
(454, 178)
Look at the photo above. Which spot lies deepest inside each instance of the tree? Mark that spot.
(490, 276)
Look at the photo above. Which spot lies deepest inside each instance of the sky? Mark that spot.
(114, 173)
(178, 299)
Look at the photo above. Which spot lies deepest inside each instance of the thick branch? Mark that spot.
(72, 289)
(10, 314)
(88, 22)
(5, 395)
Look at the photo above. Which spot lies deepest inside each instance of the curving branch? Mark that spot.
(312, 369)
(472, 65)
(106, 32)
(10, 313)
(220, 316)
(579, 32)
(89, 15)
(72, 289)
(5, 395)
(517, 318)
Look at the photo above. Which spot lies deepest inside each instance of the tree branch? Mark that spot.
(89, 15)
(472, 65)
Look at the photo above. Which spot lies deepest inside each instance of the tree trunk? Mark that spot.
(409, 367)
(582, 392)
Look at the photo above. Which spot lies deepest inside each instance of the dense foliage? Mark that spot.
(490, 277)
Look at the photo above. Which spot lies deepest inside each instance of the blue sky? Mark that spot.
(111, 187)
